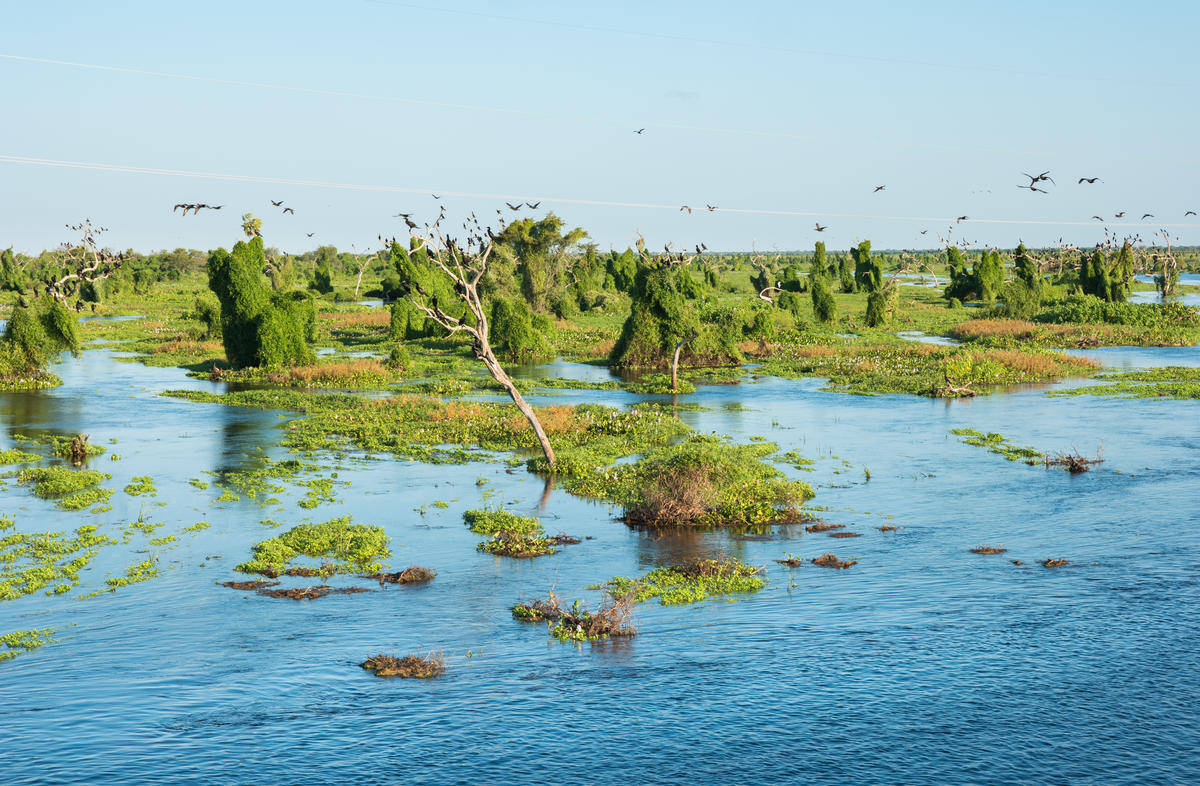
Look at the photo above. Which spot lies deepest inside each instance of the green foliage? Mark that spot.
(21, 641)
(12, 278)
(868, 276)
(36, 333)
(1093, 275)
(997, 443)
(1166, 383)
(691, 583)
(30, 562)
(143, 485)
(1122, 274)
(876, 309)
(357, 547)
(259, 327)
(251, 226)
(516, 334)
(824, 306)
(517, 544)
(322, 281)
(73, 489)
(1092, 310)
(490, 522)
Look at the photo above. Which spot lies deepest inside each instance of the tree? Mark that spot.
(445, 263)
(540, 254)
(1122, 274)
(36, 333)
(259, 327)
(867, 274)
(322, 280)
(876, 308)
(251, 226)
(824, 306)
(12, 277)
(989, 275)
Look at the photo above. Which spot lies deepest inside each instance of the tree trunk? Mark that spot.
(500, 375)
(675, 359)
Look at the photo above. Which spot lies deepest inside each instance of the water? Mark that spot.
(923, 663)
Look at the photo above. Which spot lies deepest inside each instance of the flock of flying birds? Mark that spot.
(1032, 185)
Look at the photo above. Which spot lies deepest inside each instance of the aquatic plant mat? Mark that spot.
(1168, 382)
(350, 548)
(690, 582)
(413, 574)
(408, 667)
(311, 593)
(611, 618)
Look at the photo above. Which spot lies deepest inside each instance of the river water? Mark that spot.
(923, 663)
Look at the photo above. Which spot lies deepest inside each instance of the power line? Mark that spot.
(138, 170)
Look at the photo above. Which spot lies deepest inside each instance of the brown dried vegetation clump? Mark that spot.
(414, 574)
(408, 667)
(1054, 563)
(249, 585)
(311, 593)
(830, 560)
(822, 526)
(845, 535)
(986, 549)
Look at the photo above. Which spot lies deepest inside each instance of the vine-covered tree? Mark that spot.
(867, 274)
(824, 306)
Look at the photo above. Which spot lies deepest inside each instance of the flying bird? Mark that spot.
(711, 208)
(878, 189)
(1119, 215)
(435, 196)
(1147, 215)
(511, 206)
(640, 130)
(961, 219)
(534, 205)
(1039, 178)
(1032, 187)
(923, 231)
(685, 207)
(1189, 213)
(276, 204)
(402, 215)
(289, 210)
(820, 228)
(309, 234)
(1087, 180)
(1098, 218)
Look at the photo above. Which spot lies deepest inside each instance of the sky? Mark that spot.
(782, 115)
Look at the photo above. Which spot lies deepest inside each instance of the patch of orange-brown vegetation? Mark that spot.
(1039, 365)
(188, 346)
(330, 372)
(373, 318)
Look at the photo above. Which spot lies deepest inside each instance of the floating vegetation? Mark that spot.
(611, 618)
(197, 483)
(72, 489)
(919, 369)
(1169, 382)
(408, 667)
(845, 535)
(888, 528)
(1072, 462)
(822, 526)
(413, 574)
(998, 444)
(21, 641)
(796, 461)
(16, 456)
(985, 549)
(490, 522)
(355, 548)
(257, 482)
(690, 582)
(249, 585)
(31, 562)
(135, 574)
(199, 526)
(1054, 563)
(791, 560)
(830, 560)
(140, 486)
(518, 544)
(310, 593)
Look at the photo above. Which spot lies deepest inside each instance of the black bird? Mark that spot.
(711, 208)
(214, 207)
(276, 204)
(309, 234)
(289, 210)
(533, 206)
(1087, 180)
(640, 130)
(433, 302)
(402, 215)
(411, 224)
(1189, 213)
(511, 206)
(703, 247)
(1032, 187)
(820, 228)
(435, 196)
(961, 219)
(1098, 218)
(878, 189)
(186, 208)
(1039, 178)
(1147, 215)
(1119, 215)
(923, 231)
(685, 207)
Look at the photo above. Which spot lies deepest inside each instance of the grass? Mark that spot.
(140, 486)
(1020, 333)
(690, 582)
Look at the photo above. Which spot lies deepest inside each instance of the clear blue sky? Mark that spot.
(760, 106)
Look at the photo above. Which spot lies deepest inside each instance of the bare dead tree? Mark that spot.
(362, 268)
(85, 263)
(465, 263)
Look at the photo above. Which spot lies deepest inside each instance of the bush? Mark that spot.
(1089, 309)
(876, 308)
(824, 306)
(36, 333)
(516, 334)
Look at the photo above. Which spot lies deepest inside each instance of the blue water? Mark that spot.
(923, 663)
